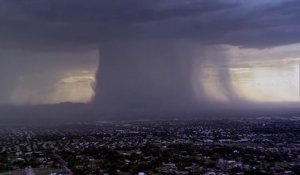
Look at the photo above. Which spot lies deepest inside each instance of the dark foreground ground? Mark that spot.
(248, 146)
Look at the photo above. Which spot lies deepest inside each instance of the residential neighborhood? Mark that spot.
(180, 147)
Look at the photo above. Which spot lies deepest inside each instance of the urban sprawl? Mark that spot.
(175, 147)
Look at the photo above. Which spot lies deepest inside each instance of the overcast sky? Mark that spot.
(147, 54)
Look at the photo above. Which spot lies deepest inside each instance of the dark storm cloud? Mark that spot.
(147, 47)
(87, 21)
(233, 22)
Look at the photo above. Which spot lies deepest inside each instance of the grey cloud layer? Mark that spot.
(233, 22)
(154, 61)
